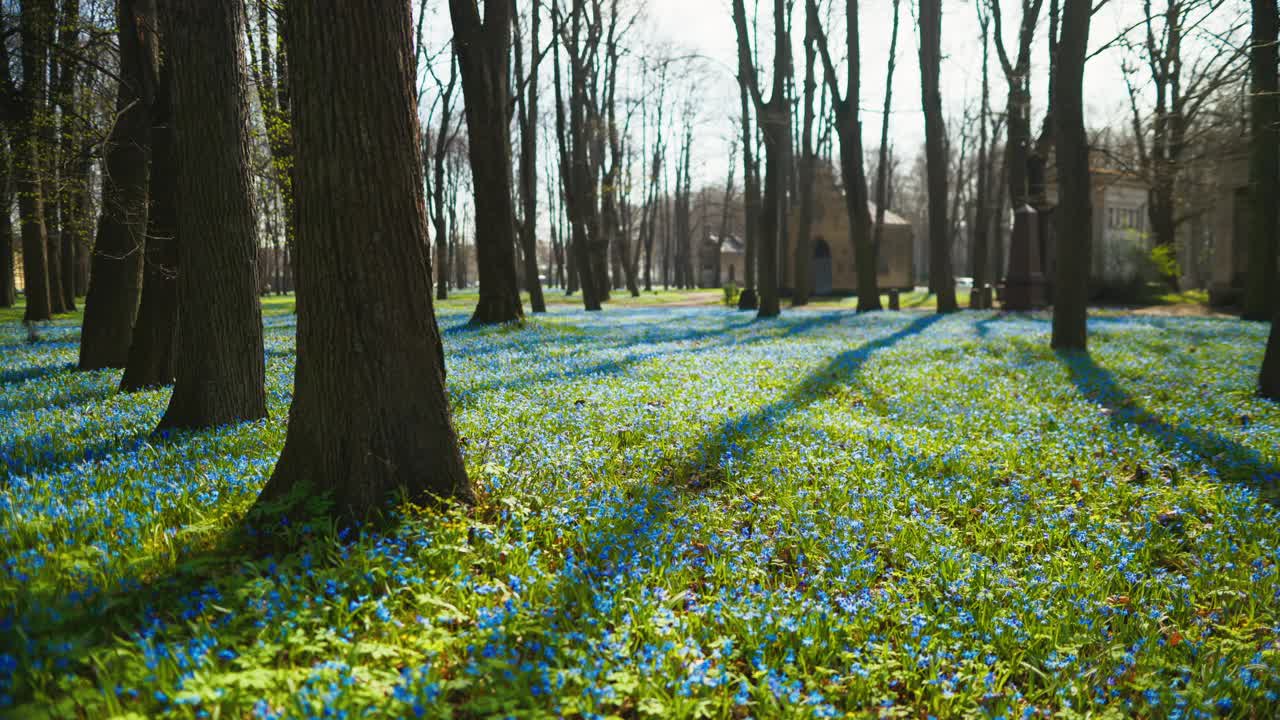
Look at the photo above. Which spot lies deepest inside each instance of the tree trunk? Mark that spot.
(1264, 164)
(1269, 377)
(8, 294)
(982, 218)
(1075, 205)
(940, 277)
(748, 299)
(882, 166)
(370, 419)
(483, 49)
(153, 350)
(527, 90)
(37, 16)
(802, 280)
(220, 375)
(115, 278)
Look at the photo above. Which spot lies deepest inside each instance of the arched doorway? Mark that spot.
(821, 267)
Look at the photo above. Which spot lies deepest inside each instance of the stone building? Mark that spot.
(832, 264)
(729, 257)
(1121, 229)
(1230, 230)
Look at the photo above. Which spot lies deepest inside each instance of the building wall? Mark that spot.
(831, 223)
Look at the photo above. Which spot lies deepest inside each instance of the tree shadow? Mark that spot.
(22, 374)
(841, 370)
(1229, 460)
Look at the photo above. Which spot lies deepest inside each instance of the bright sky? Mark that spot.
(705, 27)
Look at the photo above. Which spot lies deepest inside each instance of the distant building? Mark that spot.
(1230, 231)
(832, 265)
(1122, 241)
(729, 258)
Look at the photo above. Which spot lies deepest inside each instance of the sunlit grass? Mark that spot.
(683, 513)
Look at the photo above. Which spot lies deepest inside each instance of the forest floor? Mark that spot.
(682, 512)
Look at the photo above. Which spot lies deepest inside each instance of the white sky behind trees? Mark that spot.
(705, 28)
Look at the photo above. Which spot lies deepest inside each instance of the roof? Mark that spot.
(732, 243)
(890, 217)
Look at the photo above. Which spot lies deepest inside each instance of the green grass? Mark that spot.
(682, 513)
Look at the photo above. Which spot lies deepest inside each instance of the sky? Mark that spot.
(705, 27)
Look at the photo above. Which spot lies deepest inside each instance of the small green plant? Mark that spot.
(731, 293)
(1165, 260)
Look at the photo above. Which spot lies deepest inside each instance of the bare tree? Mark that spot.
(935, 130)
(526, 91)
(882, 165)
(1183, 87)
(483, 47)
(774, 116)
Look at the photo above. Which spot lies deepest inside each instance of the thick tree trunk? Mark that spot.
(36, 22)
(220, 376)
(1075, 205)
(8, 294)
(1261, 294)
(115, 277)
(483, 49)
(153, 351)
(370, 419)
(748, 299)
(940, 275)
(1269, 377)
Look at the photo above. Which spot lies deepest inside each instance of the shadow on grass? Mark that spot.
(841, 370)
(1231, 461)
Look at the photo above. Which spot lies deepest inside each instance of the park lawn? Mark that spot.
(682, 512)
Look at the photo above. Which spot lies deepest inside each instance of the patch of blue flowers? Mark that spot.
(682, 513)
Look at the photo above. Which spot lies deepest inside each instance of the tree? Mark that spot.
(154, 347)
(25, 109)
(527, 113)
(220, 376)
(446, 134)
(935, 132)
(1075, 206)
(982, 218)
(483, 47)
(804, 196)
(1183, 87)
(8, 294)
(849, 128)
(115, 278)
(370, 418)
(71, 170)
(882, 165)
(1264, 163)
(1017, 74)
(774, 116)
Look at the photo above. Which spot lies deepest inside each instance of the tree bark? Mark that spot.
(220, 377)
(8, 294)
(445, 136)
(370, 419)
(527, 96)
(982, 214)
(775, 122)
(1269, 377)
(748, 299)
(1261, 294)
(115, 277)
(35, 19)
(882, 166)
(1075, 205)
(801, 280)
(940, 275)
(154, 348)
(483, 48)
